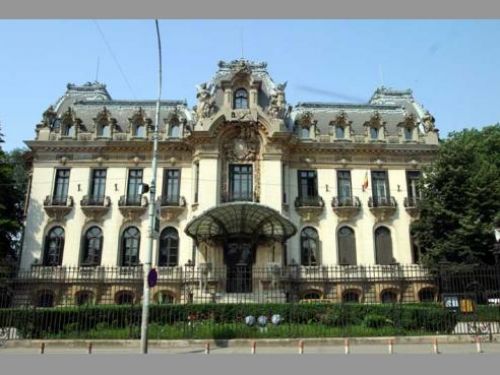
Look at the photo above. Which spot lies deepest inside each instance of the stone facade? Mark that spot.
(241, 118)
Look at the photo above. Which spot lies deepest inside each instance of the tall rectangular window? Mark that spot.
(98, 186)
(344, 187)
(196, 181)
(308, 184)
(380, 187)
(61, 187)
(171, 187)
(134, 186)
(412, 178)
(240, 182)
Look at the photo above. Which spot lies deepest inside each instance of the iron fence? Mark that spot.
(204, 301)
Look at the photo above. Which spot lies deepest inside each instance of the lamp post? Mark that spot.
(152, 212)
(496, 246)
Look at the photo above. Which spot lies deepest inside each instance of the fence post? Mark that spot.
(435, 347)
(207, 348)
(90, 348)
(42, 348)
(301, 347)
(479, 349)
(391, 346)
(347, 348)
(253, 347)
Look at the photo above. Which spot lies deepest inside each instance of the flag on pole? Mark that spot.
(365, 182)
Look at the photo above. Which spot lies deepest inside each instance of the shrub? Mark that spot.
(376, 321)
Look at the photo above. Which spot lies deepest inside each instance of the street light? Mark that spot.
(496, 246)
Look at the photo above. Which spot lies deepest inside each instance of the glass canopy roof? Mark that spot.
(239, 220)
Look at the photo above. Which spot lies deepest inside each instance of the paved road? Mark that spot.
(488, 348)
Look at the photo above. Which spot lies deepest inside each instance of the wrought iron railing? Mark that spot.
(412, 201)
(99, 201)
(137, 200)
(58, 201)
(172, 201)
(382, 201)
(349, 201)
(309, 201)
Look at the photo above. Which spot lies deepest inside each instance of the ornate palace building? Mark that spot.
(258, 200)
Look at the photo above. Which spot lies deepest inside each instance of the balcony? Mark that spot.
(309, 208)
(412, 206)
(132, 207)
(238, 197)
(171, 207)
(58, 207)
(346, 207)
(95, 207)
(383, 208)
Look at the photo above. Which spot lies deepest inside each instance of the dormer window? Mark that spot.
(140, 131)
(339, 132)
(374, 133)
(103, 130)
(69, 130)
(241, 99)
(408, 134)
(174, 129)
(304, 133)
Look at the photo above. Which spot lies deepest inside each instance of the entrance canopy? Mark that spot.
(240, 219)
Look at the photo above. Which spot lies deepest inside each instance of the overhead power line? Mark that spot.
(110, 50)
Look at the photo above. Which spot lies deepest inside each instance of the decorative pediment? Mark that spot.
(49, 117)
(69, 119)
(139, 118)
(375, 121)
(409, 121)
(341, 120)
(305, 119)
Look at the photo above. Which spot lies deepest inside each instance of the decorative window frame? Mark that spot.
(376, 122)
(306, 120)
(69, 119)
(409, 123)
(341, 120)
(139, 119)
(102, 119)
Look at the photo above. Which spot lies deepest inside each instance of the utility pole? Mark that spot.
(152, 211)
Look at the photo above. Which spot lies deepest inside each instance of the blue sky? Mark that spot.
(451, 65)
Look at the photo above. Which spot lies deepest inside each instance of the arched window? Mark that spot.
(374, 133)
(241, 99)
(383, 246)
(309, 247)
(311, 294)
(139, 131)
(54, 246)
(124, 297)
(45, 298)
(84, 297)
(350, 296)
(131, 240)
(103, 130)
(426, 295)
(164, 298)
(169, 247)
(347, 246)
(174, 129)
(388, 296)
(92, 247)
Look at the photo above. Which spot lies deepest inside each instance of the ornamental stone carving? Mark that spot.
(428, 122)
(305, 119)
(48, 118)
(277, 107)
(244, 147)
(206, 106)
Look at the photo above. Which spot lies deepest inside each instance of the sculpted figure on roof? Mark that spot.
(206, 106)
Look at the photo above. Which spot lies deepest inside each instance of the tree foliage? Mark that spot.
(461, 199)
(11, 213)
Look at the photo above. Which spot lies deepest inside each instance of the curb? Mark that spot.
(336, 341)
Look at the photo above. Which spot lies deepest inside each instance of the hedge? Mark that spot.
(43, 322)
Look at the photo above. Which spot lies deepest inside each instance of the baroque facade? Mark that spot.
(256, 198)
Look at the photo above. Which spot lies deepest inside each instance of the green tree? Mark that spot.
(11, 213)
(461, 199)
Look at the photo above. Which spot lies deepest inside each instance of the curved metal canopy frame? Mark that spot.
(240, 220)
